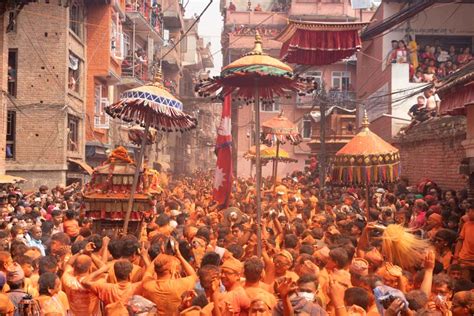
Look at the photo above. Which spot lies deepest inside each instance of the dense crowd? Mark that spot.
(322, 252)
(431, 62)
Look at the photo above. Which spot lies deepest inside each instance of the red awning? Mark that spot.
(316, 43)
(455, 103)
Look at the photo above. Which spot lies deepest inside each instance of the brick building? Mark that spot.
(238, 38)
(65, 64)
(47, 91)
(3, 86)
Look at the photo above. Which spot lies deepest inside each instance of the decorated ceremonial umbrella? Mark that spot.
(269, 154)
(277, 131)
(366, 160)
(254, 77)
(150, 106)
(319, 43)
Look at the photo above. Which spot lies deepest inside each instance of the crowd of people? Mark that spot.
(322, 252)
(431, 62)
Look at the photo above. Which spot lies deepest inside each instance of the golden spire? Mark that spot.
(365, 121)
(158, 78)
(257, 49)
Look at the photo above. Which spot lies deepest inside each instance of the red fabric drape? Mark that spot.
(307, 47)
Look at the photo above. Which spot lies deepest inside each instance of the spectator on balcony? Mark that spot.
(401, 52)
(392, 55)
(454, 68)
(231, 7)
(258, 8)
(441, 72)
(452, 54)
(418, 77)
(431, 67)
(140, 56)
(427, 53)
(413, 51)
(442, 56)
(465, 57)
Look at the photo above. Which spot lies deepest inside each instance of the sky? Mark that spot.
(210, 27)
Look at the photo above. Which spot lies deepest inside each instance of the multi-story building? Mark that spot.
(197, 146)
(66, 63)
(3, 85)
(386, 88)
(442, 31)
(123, 40)
(339, 79)
(46, 92)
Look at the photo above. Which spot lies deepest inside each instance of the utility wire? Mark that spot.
(188, 30)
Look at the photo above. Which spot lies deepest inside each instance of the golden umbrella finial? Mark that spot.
(158, 78)
(257, 49)
(365, 121)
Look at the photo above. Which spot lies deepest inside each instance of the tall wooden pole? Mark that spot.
(322, 154)
(135, 179)
(258, 170)
(275, 163)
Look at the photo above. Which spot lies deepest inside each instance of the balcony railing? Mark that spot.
(342, 96)
(134, 69)
(152, 14)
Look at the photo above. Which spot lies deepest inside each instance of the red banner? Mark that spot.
(223, 174)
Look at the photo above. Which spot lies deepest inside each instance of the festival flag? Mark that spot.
(223, 174)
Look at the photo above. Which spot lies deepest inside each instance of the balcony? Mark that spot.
(134, 73)
(173, 14)
(172, 60)
(338, 97)
(144, 19)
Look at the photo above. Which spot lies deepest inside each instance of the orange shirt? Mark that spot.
(84, 302)
(57, 304)
(467, 251)
(110, 293)
(166, 294)
(71, 227)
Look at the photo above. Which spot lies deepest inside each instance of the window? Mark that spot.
(117, 47)
(269, 106)
(11, 135)
(76, 18)
(12, 71)
(75, 76)
(306, 127)
(73, 133)
(101, 119)
(341, 80)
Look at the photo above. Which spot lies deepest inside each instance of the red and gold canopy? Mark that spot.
(367, 158)
(253, 71)
(317, 43)
(281, 128)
